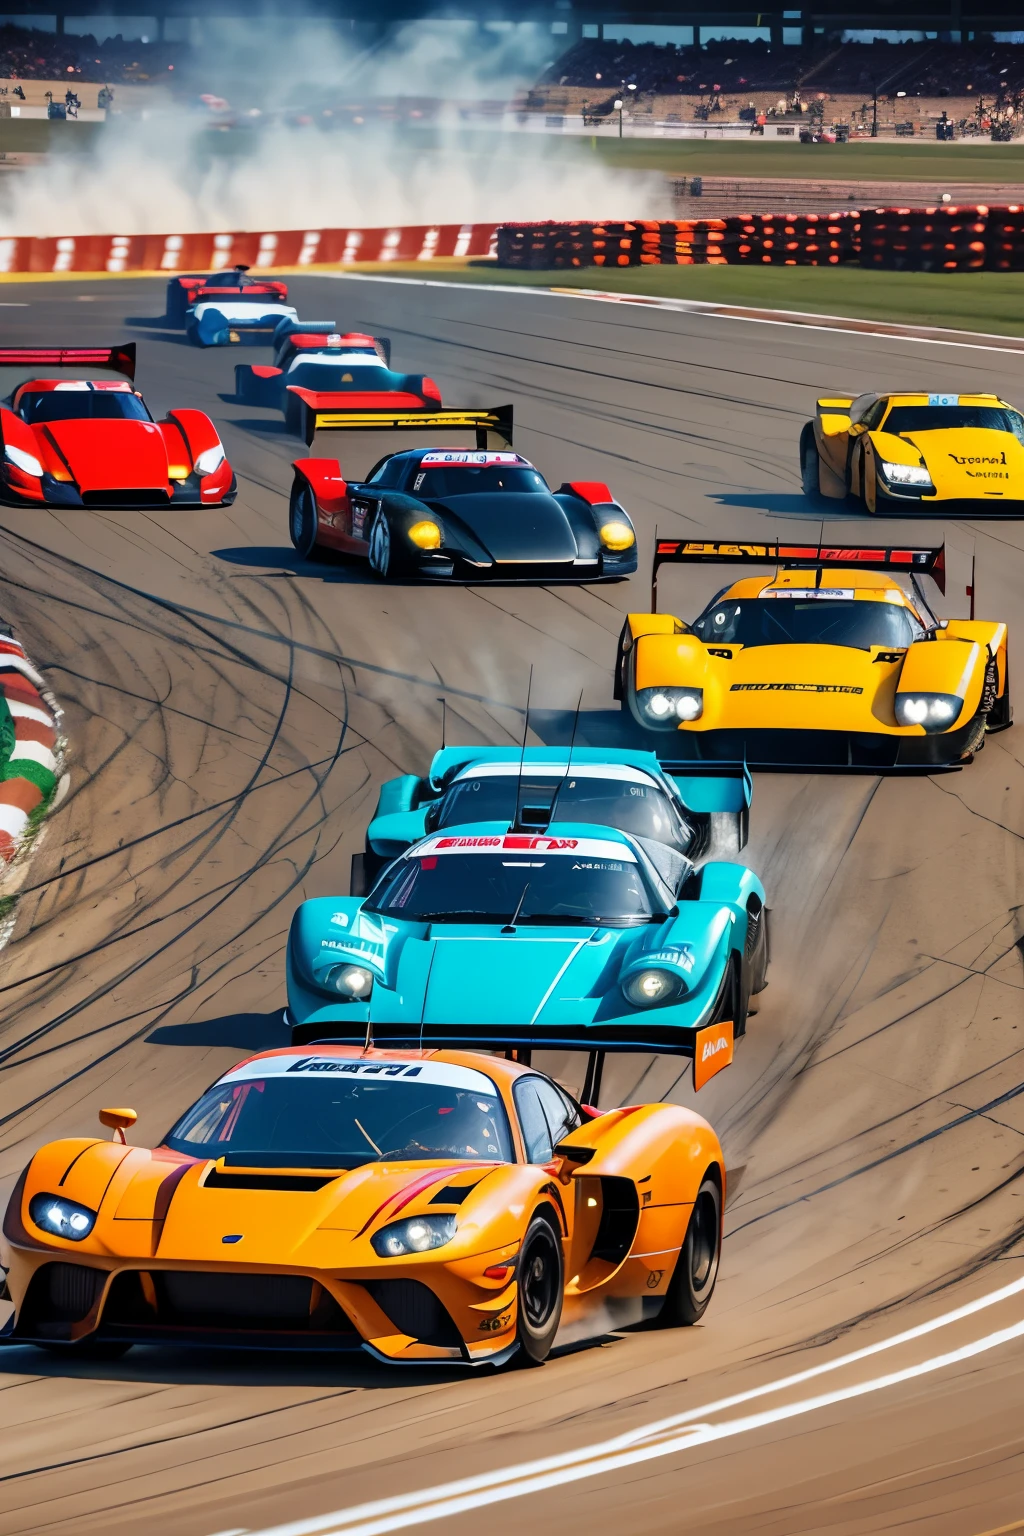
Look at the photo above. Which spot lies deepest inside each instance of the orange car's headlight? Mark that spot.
(61, 1218)
(417, 1234)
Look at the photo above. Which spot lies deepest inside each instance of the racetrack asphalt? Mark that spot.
(231, 711)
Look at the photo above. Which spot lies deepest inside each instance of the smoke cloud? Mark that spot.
(167, 169)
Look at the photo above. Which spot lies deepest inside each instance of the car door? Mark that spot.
(365, 499)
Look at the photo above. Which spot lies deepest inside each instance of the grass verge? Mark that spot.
(967, 301)
(896, 161)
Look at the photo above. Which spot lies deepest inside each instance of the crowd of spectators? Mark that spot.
(918, 68)
(35, 55)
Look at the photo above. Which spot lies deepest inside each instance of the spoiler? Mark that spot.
(482, 423)
(290, 327)
(929, 561)
(643, 1034)
(121, 359)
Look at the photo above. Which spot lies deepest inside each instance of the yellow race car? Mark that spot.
(420, 1205)
(905, 452)
(826, 662)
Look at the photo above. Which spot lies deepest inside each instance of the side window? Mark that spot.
(533, 1122)
(386, 474)
(872, 418)
(562, 1114)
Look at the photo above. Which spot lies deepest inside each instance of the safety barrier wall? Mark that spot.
(29, 745)
(271, 248)
(943, 239)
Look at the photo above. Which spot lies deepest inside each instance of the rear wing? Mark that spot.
(482, 424)
(119, 359)
(642, 1032)
(930, 561)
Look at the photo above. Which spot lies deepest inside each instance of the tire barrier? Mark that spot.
(271, 248)
(30, 746)
(943, 239)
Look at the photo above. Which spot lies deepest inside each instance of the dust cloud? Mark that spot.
(169, 167)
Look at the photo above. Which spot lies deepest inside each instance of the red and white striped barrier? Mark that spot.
(28, 745)
(272, 248)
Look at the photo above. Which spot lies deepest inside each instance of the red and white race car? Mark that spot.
(76, 433)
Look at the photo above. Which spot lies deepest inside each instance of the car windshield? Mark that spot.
(322, 376)
(325, 1120)
(579, 888)
(637, 807)
(941, 418)
(817, 621)
(473, 479)
(81, 405)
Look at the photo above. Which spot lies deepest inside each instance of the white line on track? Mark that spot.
(665, 1437)
(803, 320)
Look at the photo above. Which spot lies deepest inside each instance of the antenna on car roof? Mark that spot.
(522, 754)
(568, 765)
(368, 1042)
(444, 713)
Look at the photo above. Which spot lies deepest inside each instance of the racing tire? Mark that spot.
(541, 1283)
(620, 681)
(1000, 716)
(756, 952)
(382, 548)
(302, 521)
(693, 1279)
(809, 479)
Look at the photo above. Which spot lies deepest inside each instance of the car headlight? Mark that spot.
(425, 535)
(935, 711)
(62, 1218)
(210, 459)
(617, 535)
(25, 461)
(352, 981)
(665, 707)
(906, 474)
(418, 1234)
(649, 989)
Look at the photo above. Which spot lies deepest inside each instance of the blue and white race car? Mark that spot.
(246, 315)
(478, 936)
(679, 812)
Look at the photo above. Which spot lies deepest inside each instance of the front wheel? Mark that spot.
(693, 1280)
(540, 1292)
(1000, 716)
(302, 521)
(382, 555)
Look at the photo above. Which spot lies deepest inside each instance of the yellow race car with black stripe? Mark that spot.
(828, 661)
(904, 452)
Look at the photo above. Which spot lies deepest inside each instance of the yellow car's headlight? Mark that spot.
(425, 535)
(617, 536)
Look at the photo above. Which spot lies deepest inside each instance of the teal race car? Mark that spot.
(682, 811)
(484, 937)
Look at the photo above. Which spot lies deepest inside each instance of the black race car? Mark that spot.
(462, 514)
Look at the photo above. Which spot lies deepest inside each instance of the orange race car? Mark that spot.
(420, 1205)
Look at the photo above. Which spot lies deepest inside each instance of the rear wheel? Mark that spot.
(809, 466)
(540, 1292)
(302, 520)
(693, 1280)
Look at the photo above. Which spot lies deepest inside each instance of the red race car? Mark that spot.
(76, 433)
(189, 288)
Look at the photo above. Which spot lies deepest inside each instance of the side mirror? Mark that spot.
(568, 1160)
(118, 1121)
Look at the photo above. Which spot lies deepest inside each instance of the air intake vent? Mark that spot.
(294, 1182)
(414, 1309)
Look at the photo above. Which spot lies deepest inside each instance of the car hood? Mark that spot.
(106, 455)
(528, 526)
(968, 461)
(270, 1225)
